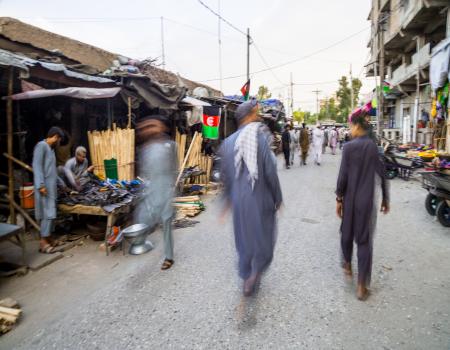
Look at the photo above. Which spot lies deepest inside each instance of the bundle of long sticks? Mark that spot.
(195, 158)
(9, 313)
(118, 144)
(189, 206)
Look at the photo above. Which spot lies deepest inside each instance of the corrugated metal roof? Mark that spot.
(8, 59)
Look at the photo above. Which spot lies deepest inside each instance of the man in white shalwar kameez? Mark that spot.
(317, 143)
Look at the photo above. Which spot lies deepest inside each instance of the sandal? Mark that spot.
(167, 264)
(48, 249)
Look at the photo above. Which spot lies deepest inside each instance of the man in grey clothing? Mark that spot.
(76, 169)
(158, 165)
(46, 181)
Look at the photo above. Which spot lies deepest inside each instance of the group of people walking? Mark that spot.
(293, 140)
(252, 191)
(251, 187)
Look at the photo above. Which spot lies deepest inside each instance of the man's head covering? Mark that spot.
(245, 109)
(80, 150)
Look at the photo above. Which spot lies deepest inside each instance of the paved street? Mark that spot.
(89, 301)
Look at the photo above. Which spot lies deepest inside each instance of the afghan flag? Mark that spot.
(246, 90)
(211, 122)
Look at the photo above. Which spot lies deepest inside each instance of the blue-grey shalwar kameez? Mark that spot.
(254, 207)
(158, 166)
(45, 175)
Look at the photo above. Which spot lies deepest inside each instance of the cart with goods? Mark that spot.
(437, 201)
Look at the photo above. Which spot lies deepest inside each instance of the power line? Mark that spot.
(297, 59)
(221, 18)
(266, 64)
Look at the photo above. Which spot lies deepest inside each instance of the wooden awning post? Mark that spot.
(9, 122)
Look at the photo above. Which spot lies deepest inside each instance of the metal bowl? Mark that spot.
(135, 230)
(138, 249)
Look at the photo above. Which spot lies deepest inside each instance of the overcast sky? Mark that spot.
(283, 31)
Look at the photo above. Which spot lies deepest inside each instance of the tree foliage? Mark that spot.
(344, 96)
(263, 93)
(328, 109)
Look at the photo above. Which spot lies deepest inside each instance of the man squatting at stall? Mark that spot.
(158, 165)
(46, 181)
(76, 169)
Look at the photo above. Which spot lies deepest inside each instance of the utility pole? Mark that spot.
(163, 54)
(292, 96)
(248, 53)
(317, 92)
(352, 104)
(220, 46)
(382, 74)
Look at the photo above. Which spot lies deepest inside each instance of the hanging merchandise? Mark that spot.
(211, 122)
(440, 64)
(194, 117)
(434, 108)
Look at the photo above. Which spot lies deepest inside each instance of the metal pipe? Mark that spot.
(9, 116)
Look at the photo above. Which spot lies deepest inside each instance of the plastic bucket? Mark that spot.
(27, 196)
(111, 169)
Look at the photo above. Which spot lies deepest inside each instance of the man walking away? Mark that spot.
(333, 140)
(318, 140)
(360, 173)
(294, 144)
(158, 166)
(304, 143)
(252, 190)
(286, 145)
(325, 140)
(46, 181)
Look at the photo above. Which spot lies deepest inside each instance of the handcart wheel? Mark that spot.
(443, 213)
(431, 202)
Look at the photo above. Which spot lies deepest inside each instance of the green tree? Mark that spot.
(344, 96)
(328, 109)
(263, 93)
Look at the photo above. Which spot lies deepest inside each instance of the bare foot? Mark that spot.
(347, 268)
(362, 293)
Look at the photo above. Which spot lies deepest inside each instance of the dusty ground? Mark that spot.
(90, 301)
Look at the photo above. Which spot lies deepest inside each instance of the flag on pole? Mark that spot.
(246, 90)
(211, 122)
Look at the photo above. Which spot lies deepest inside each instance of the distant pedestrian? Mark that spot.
(286, 145)
(158, 165)
(325, 140)
(304, 143)
(317, 141)
(333, 140)
(293, 145)
(252, 190)
(361, 170)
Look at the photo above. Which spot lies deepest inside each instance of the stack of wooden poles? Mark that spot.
(189, 206)
(116, 143)
(9, 313)
(194, 158)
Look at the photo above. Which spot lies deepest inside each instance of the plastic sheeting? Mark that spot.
(8, 59)
(75, 92)
(440, 65)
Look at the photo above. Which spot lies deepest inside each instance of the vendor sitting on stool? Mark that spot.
(76, 169)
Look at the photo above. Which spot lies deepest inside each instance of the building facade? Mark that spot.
(403, 35)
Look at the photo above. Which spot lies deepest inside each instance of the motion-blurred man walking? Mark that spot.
(252, 190)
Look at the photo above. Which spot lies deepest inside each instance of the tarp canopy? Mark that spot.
(75, 92)
(9, 59)
(194, 101)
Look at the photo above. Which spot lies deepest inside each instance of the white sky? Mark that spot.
(283, 31)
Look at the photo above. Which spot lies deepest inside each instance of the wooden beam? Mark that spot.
(24, 213)
(17, 161)
(9, 122)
